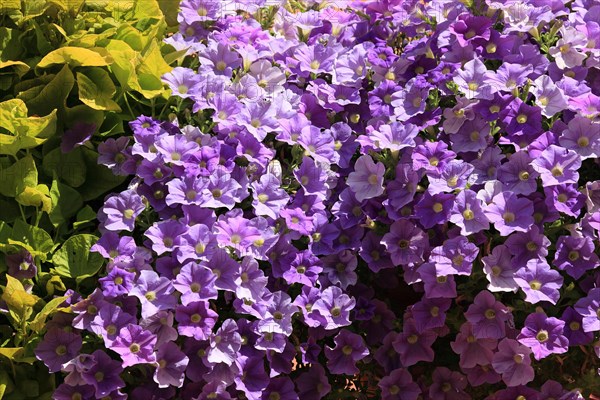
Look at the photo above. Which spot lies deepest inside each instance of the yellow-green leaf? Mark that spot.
(75, 57)
(38, 196)
(27, 132)
(125, 63)
(15, 178)
(37, 324)
(19, 67)
(10, 352)
(16, 298)
(96, 89)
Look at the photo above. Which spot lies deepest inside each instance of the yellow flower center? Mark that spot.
(438, 207)
(535, 284)
(542, 336)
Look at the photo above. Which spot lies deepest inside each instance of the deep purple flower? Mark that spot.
(405, 242)
(488, 316)
(349, 348)
(57, 348)
(589, 308)
(103, 374)
(195, 320)
(513, 361)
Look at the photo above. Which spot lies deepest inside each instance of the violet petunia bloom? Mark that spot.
(454, 257)
(77, 135)
(582, 136)
(539, 281)
(517, 175)
(557, 165)
(21, 265)
(513, 361)
(510, 213)
(313, 384)
(488, 316)
(121, 211)
(268, 197)
(196, 320)
(224, 344)
(367, 179)
(135, 345)
(155, 293)
(448, 385)
(109, 321)
(57, 348)
(473, 351)
(543, 335)
(454, 176)
(471, 80)
(399, 385)
(575, 255)
(349, 348)
(195, 282)
(434, 209)
(334, 306)
(405, 242)
(427, 313)
(171, 365)
(589, 308)
(165, 235)
(499, 270)
(103, 374)
(509, 77)
(467, 213)
(394, 137)
(414, 346)
(574, 328)
(548, 96)
(432, 157)
(117, 282)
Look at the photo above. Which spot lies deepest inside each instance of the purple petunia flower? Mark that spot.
(349, 348)
(513, 361)
(135, 345)
(488, 316)
(589, 308)
(539, 281)
(195, 320)
(120, 211)
(57, 348)
(171, 365)
(543, 335)
(467, 213)
(405, 242)
(557, 165)
(510, 213)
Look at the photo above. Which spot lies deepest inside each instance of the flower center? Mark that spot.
(111, 329)
(583, 141)
(347, 350)
(471, 339)
(433, 161)
(99, 376)
(183, 89)
(458, 259)
(403, 243)
(434, 311)
(199, 248)
(417, 101)
(474, 136)
(453, 181)
(278, 315)
(491, 48)
(167, 241)
(217, 193)
(562, 198)
(557, 171)
(574, 326)
(468, 214)
(262, 198)
(175, 156)
(195, 287)
(394, 390)
(373, 179)
(150, 295)
(446, 387)
(521, 118)
(61, 350)
(412, 339)
(496, 270)
(490, 313)
(532, 246)
(535, 284)
(195, 318)
(128, 213)
(441, 279)
(473, 86)
(438, 207)
(508, 217)
(542, 336)
(336, 312)
(118, 280)
(518, 358)
(202, 11)
(221, 66)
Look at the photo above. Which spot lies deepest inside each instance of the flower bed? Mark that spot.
(373, 200)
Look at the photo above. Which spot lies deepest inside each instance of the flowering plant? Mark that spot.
(362, 199)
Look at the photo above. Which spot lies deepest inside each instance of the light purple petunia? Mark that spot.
(543, 335)
(539, 281)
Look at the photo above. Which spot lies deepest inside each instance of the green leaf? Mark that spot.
(35, 240)
(52, 95)
(75, 57)
(37, 324)
(74, 259)
(96, 89)
(27, 132)
(14, 179)
(132, 37)
(84, 216)
(65, 202)
(125, 62)
(69, 167)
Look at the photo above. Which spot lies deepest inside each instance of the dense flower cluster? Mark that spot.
(367, 188)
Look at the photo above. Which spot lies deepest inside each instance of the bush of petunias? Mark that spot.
(391, 200)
